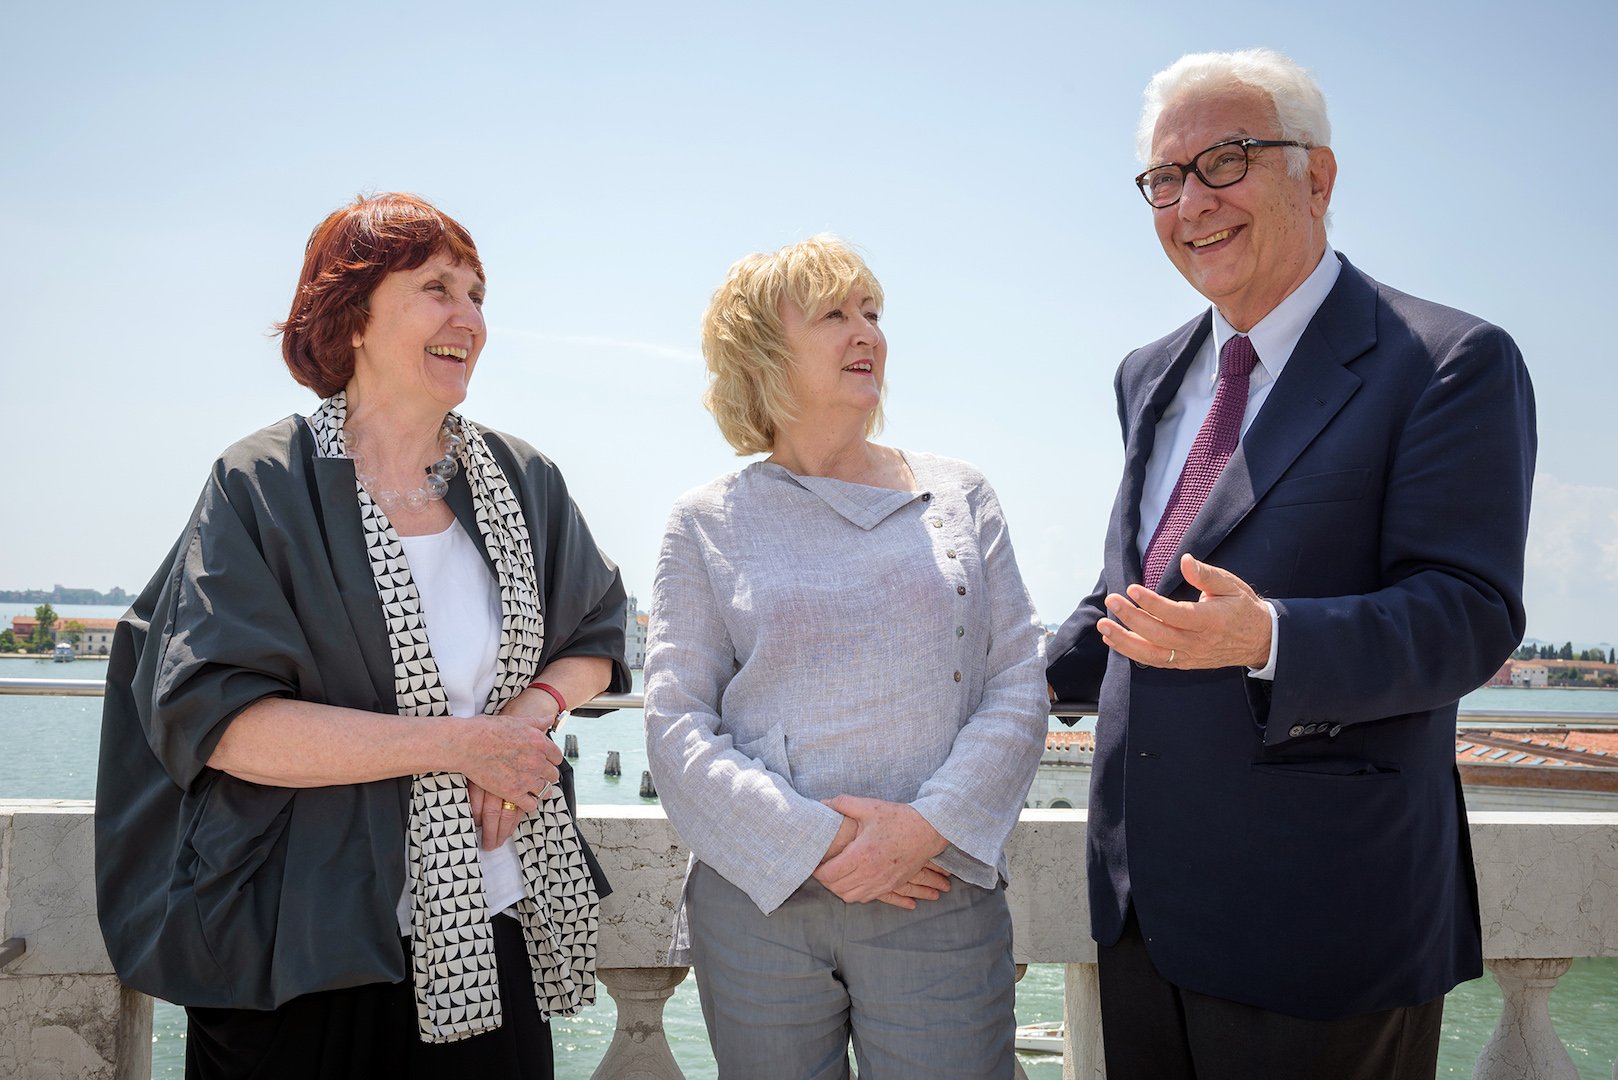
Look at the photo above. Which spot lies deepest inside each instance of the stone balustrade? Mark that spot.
(1548, 882)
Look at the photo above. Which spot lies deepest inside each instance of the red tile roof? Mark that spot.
(1543, 757)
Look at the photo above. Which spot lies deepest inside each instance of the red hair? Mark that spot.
(347, 257)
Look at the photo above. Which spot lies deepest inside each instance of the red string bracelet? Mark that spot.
(561, 702)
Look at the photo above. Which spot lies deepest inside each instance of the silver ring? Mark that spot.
(1171, 656)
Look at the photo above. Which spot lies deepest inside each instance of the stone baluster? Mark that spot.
(1525, 1045)
(640, 1047)
(134, 1036)
(1082, 1058)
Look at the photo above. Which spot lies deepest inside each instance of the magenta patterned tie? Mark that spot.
(1214, 444)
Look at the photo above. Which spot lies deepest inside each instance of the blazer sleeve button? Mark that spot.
(1296, 731)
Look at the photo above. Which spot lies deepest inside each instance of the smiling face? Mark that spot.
(1248, 246)
(839, 357)
(423, 336)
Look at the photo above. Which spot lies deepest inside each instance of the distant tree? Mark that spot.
(1547, 652)
(73, 630)
(1524, 652)
(8, 641)
(1567, 651)
(1564, 676)
(44, 629)
(1612, 656)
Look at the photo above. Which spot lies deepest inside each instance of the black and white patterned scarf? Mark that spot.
(457, 991)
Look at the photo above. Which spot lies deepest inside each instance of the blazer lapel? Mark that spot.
(1142, 437)
(1313, 386)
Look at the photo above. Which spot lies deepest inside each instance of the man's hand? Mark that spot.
(890, 857)
(1227, 626)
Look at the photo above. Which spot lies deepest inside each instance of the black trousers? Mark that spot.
(1154, 1030)
(366, 1032)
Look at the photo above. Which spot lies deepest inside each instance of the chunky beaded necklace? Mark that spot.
(434, 486)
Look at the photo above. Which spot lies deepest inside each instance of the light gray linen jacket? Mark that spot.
(810, 638)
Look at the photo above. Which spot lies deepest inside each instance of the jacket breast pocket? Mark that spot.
(1340, 486)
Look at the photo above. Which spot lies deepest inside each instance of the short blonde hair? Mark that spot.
(744, 340)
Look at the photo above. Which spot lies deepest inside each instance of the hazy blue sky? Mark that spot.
(163, 164)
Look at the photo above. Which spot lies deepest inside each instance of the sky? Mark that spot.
(163, 165)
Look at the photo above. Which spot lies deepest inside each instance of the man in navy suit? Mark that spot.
(1316, 549)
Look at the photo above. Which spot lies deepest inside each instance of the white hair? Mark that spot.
(1300, 107)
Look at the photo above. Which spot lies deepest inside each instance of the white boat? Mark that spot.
(1045, 1038)
(63, 653)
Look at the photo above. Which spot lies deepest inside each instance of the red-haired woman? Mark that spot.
(330, 818)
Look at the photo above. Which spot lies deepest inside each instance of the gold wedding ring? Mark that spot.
(507, 804)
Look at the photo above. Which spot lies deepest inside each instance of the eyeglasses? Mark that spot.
(1221, 165)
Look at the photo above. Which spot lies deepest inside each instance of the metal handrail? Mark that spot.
(53, 687)
(89, 688)
(1062, 709)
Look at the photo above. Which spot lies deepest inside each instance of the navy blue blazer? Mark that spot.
(1301, 845)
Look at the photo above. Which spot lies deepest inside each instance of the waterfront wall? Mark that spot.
(1548, 884)
(63, 1015)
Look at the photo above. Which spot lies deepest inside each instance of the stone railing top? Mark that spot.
(1548, 882)
(47, 886)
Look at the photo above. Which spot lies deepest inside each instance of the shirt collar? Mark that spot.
(859, 504)
(1276, 335)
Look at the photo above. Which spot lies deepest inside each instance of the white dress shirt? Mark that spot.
(1274, 337)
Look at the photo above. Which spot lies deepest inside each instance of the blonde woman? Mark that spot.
(845, 704)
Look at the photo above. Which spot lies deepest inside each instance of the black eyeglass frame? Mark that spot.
(1191, 169)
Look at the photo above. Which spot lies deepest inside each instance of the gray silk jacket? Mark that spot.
(214, 891)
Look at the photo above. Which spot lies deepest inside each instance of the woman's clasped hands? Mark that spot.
(882, 851)
(514, 762)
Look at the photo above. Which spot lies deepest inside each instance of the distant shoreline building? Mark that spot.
(635, 636)
(1540, 672)
(61, 594)
(95, 635)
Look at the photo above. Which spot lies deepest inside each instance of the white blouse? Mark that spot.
(461, 603)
